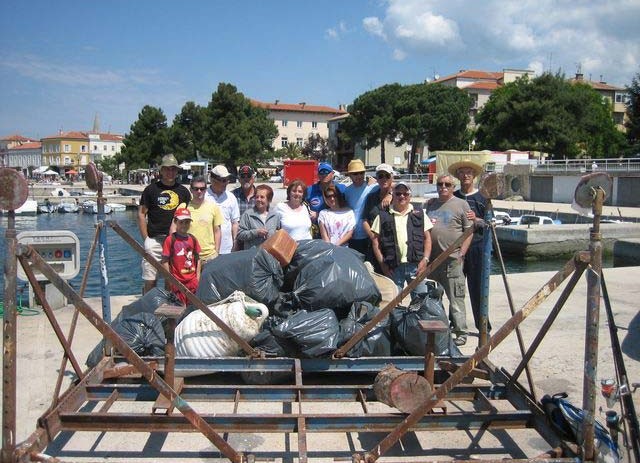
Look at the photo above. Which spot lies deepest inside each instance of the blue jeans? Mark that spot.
(406, 272)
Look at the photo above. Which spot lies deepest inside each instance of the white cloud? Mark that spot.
(331, 33)
(335, 33)
(496, 34)
(374, 26)
(399, 54)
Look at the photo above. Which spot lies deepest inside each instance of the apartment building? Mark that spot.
(295, 122)
(24, 157)
(481, 84)
(618, 97)
(104, 145)
(66, 151)
(10, 141)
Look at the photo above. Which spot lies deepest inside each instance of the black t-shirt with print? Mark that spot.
(161, 202)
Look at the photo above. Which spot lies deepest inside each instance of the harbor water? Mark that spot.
(124, 268)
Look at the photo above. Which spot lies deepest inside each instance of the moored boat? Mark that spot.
(47, 208)
(117, 207)
(68, 207)
(91, 207)
(30, 207)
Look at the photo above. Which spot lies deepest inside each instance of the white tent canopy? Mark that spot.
(40, 169)
(50, 172)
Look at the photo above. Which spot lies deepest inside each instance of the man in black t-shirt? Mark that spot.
(155, 214)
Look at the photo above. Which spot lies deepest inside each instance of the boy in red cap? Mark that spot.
(180, 252)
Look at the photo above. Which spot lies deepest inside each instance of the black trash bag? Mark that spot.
(314, 333)
(254, 272)
(376, 343)
(306, 252)
(334, 281)
(146, 304)
(270, 344)
(406, 330)
(143, 332)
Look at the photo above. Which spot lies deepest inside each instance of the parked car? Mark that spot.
(530, 219)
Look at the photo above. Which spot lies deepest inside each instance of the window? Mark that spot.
(284, 123)
(474, 100)
(67, 148)
(95, 147)
(299, 141)
(618, 118)
(83, 148)
(314, 125)
(284, 142)
(113, 148)
(104, 147)
(299, 124)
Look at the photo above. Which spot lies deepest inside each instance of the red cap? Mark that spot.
(182, 213)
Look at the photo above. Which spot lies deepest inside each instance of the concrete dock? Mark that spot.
(556, 367)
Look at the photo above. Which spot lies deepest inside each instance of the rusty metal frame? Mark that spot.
(101, 384)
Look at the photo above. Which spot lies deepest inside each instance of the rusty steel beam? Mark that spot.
(9, 342)
(197, 303)
(50, 315)
(544, 329)
(481, 354)
(342, 351)
(148, 373)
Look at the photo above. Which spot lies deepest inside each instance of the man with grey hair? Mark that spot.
(448, 215)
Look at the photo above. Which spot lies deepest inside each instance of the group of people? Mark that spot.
(184, 229)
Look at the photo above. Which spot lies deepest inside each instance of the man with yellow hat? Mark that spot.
(466, 171)
(356, 195)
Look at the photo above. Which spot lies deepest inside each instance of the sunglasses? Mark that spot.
(198, 188)
(330, 196)
(402, 193)
(218, 179)
(381, 176)
(324, 172)
(444, 185)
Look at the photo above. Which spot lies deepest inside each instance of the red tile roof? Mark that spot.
(68, 136)
(483, 85)
(472, 74)
(306, 108)
(111, 137)
(16, 137)
(596, 85)
(28, 146)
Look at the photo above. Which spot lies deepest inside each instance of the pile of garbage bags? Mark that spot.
(307, 309)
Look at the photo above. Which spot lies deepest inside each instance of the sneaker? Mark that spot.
(460, 340)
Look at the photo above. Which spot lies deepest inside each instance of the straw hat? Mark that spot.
(453, 168)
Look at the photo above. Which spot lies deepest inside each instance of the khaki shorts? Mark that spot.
(154, 248)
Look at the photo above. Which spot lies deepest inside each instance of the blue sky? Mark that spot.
(61, 62)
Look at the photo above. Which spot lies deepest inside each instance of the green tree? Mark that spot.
(431, 114)
(551, 115)
(187, 132)
(371, 118)
(291, 151)
(316, 147)
(109, 165)
(147, 141)
(236, 132)
(633, 113)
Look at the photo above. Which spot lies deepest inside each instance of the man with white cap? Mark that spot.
(401, 238)
(466, 171)
(228, 205)
(356, 195)
(158, 203)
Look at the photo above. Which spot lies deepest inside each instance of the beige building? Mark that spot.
(8, 142)
(618, 97)
(66, 151)
(24, 157)
(104, 145)
(481, 84)
(295, 122)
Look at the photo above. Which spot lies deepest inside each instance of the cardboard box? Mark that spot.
(281, 246)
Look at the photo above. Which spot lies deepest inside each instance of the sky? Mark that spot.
(62, 62)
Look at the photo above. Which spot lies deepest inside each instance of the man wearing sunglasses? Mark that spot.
(401, 239)
(449, 217)
(228, 205)
(466, 171)
(206, 219)
(246, 192)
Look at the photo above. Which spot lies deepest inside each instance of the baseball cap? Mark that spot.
(245, 170)
(182, 213)
(403, 185)
(169, 160)
(385, 168)
(220, 171)
(325, 167)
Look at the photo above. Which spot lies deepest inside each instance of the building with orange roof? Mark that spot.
(24, 157)
(617, 97)
(73, 150)
(295, 122)
(104, 145)
(10, 141)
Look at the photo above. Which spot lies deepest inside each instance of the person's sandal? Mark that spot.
(460, 340)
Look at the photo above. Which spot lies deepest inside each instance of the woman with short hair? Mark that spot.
(294, 214)
(259, 222)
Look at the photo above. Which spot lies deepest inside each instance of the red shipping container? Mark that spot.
(300, 169)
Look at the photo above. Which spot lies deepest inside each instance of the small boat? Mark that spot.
(68, 208)
(117, 207)
(47, 208)
(30, 207)
(91, 207)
